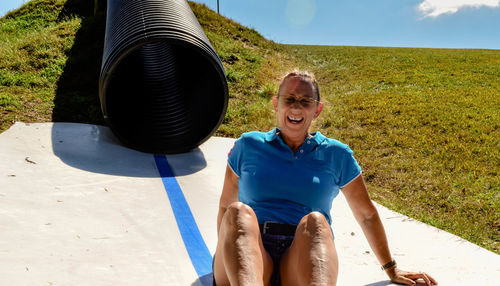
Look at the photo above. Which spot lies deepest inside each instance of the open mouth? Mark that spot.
(295, 120)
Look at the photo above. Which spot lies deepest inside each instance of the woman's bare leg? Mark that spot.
(312, 257)
(240, 258)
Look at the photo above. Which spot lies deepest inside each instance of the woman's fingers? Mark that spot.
(410, 278)
(403, 280)
(424, 276)
(434, 282)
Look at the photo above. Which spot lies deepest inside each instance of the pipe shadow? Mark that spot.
(187, 163)
(95, 149)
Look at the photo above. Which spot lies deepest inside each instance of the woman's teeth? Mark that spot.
(295, 119)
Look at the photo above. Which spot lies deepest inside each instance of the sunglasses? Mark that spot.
(305, 102)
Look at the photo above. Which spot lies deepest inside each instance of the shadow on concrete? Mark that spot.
(205, 280)
(76, 98)
(187, 163)
(95, 149)
(380, 283)
(385, 283)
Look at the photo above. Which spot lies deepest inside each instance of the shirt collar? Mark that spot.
(272, 135)
(316, 138)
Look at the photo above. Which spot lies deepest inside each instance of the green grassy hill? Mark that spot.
(423, 123)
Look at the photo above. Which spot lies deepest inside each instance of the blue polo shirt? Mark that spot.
(283, 187)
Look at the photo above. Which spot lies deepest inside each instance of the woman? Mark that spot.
(274, 214)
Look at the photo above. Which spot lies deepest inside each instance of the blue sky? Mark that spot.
(7, 5)
(393, 23)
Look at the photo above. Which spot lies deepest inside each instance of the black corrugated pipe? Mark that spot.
(162, 86)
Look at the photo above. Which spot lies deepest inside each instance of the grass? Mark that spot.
(423, 123)
(36, 43)
(425, 127)
(31, 55)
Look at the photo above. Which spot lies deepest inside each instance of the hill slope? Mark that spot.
(424, 123)
(425, 126)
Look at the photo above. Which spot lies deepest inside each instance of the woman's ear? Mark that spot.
(319, 108)
(275, 103)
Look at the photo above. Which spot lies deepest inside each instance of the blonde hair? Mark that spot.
(305, 76)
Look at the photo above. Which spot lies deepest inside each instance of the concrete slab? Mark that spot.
(77, 208)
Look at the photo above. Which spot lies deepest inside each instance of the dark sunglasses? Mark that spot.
(305, 102)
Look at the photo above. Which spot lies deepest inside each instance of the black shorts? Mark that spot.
(275, 245)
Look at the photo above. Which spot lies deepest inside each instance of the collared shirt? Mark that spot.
(283, 187)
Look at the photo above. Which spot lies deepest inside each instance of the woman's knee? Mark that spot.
(240, 210)
(315, 224)
(312, 258)
(240, 216)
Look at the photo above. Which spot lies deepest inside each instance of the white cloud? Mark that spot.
(434, 8)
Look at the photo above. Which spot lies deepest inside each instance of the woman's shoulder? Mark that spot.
(248, 141)
(254, 136)
(331, 143)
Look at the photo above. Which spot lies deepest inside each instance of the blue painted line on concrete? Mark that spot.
(193, 241)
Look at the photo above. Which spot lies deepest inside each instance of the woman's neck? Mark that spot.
(294, 142)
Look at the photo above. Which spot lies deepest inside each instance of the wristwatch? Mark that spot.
(388, 265)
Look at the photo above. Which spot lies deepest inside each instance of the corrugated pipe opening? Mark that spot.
(162, 86)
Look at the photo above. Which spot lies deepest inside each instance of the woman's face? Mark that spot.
(296, 107)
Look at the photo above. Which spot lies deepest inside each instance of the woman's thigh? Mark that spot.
(239, 219)
(312, 257)
(220, 275)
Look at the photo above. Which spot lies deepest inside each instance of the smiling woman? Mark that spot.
(274, 223)
(297, 105)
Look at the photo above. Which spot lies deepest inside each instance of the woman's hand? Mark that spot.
(409, 278)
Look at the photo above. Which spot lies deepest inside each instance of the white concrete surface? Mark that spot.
(77, 208)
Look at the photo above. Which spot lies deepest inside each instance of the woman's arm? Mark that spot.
(368, 218)
(229, 194)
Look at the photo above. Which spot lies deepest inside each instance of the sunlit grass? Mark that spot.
(425, 126)
(33, 47)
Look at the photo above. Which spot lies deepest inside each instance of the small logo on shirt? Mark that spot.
(316, 180)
